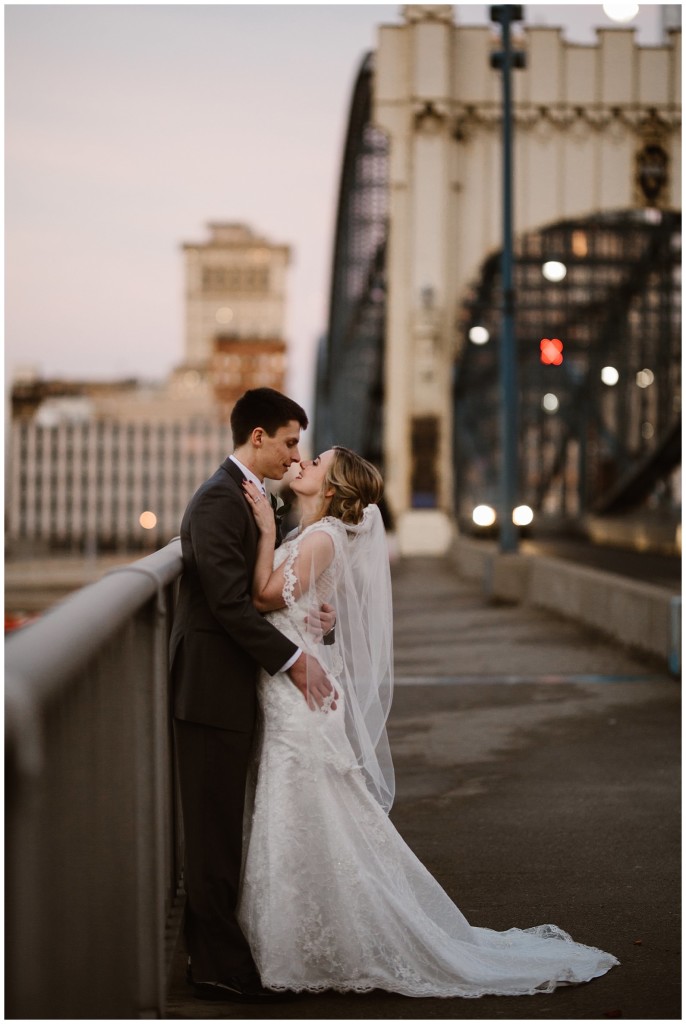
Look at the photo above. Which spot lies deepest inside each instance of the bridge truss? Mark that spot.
(601, 431)
(585, 444)
(349, 384)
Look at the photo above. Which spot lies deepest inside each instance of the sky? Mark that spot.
(128, 127)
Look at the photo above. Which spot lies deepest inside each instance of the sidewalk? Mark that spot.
(538, 779)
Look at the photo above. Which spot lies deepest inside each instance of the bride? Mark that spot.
(332, 897)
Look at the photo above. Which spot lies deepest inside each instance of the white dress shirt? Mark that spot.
(249, 475)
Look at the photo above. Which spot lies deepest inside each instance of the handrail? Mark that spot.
(39, 658)
(93, 857)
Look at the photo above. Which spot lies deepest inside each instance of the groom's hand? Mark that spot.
(321, 622)
(308, 676)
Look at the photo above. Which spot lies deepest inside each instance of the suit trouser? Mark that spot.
(213, 766)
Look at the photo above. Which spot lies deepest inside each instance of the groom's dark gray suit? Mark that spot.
(218, 642)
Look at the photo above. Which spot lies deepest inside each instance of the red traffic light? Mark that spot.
(551, 351)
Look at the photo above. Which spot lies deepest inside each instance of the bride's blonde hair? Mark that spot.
(355, 482)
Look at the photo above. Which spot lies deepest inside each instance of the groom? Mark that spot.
(218, 642)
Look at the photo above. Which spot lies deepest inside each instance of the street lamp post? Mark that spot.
(505, 60)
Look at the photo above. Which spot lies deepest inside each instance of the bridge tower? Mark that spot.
(592, 124)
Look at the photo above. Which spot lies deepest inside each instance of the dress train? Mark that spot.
(333, 898)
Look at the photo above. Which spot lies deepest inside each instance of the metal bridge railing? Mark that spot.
(92, 834)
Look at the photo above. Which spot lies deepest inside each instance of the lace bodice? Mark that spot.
(280, 701)
(290, 619)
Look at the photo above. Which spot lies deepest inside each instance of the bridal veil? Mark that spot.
(360, 662)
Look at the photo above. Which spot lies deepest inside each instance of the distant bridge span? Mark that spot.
(597, 152)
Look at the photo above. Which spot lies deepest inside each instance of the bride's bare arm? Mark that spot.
(315, 554)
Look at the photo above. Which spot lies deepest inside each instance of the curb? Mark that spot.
(638, 615)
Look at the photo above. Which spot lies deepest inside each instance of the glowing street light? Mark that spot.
(550, 402)
(479, 335)
(644, 378)
(609, 375)
(621, 13)
(554, 271)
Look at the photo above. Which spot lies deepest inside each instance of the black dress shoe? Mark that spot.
(238, 990)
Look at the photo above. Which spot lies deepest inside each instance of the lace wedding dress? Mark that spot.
(332, 897)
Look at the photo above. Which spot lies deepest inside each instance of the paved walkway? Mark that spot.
(538, 779)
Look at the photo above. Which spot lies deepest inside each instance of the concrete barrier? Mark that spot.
(659, 533)
(639, 615)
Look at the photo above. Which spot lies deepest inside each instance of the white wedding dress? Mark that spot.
(333, 898)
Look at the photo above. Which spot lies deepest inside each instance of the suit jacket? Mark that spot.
(218, 638)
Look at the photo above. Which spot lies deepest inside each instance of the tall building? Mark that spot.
(235, 313)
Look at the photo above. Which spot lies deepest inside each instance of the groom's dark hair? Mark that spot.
(266, 408)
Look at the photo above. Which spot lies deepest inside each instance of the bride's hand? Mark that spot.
(261, 508)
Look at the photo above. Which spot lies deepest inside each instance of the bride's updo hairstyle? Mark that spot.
(355, 482)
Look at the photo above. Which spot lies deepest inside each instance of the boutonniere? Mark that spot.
(281, 509)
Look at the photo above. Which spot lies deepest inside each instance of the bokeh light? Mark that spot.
(579, 243)
(522, 515)
(554, 271)
(621, 13)
(551, 351)
(609, 375)
(148, 520)
(479, 335)
(483, 515)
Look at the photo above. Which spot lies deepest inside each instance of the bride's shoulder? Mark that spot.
(327, 527)
(330, 522)
(327, 524)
